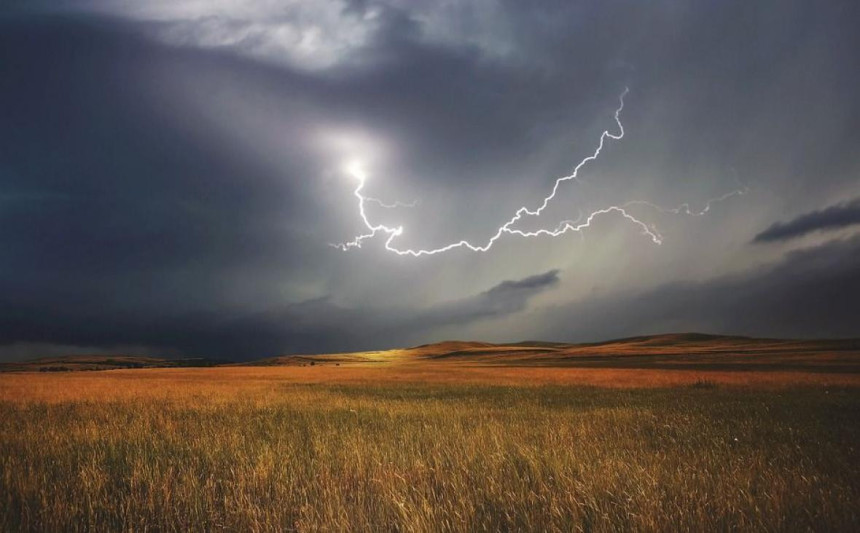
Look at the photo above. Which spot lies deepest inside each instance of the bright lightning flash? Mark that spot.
(578, 225)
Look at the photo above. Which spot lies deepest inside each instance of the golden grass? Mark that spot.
(416, 448)
(169, 382)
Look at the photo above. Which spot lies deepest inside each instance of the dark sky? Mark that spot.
(174, 173)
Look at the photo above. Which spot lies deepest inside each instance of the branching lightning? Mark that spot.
(390, 205)
(577, 226)
(685, 209)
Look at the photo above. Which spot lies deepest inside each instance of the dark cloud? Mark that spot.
(318, 325)
(505, 298)
(810, 293)
(834, 217)
(113, 193)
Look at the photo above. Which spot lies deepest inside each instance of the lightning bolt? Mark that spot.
(390, 205)
(685, 209)
(567, 226)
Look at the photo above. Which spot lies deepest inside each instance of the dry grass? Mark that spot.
(418, 449)
(164, 383)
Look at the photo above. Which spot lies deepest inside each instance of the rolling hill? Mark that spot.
(669, 351)
(71, 363)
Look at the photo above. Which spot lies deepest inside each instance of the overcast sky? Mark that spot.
(173, 173)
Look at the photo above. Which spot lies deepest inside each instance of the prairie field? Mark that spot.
(417, 449)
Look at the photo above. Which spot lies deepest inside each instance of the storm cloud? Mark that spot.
(172, 173)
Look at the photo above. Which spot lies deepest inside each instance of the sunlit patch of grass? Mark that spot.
(253, 454)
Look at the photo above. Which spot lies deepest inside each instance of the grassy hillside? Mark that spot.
(677, 351)
(673, 351)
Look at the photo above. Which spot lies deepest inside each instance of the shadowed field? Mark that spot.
(418, 448)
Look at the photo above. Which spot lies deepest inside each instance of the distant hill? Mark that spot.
(72, 363)
(668, 351)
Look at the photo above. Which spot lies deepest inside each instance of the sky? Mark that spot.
(175, 176)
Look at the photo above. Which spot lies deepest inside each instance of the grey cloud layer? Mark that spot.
(174, 191)
(810, 293)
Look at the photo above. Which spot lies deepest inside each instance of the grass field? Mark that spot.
(418, 449)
